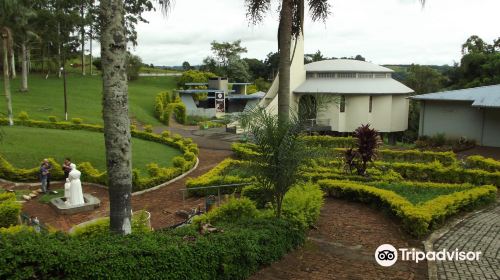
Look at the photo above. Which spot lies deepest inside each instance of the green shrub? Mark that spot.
(231, 211)
(217, 176)
(302, 204)
(133, 127)
(329, 141)
(245, 151)
(236, 253)
(165, 133)
(189, 156)
(479, 162)
(176, 137)
(77, 120)
(101, 226)
(179, 162)
(258, 194)
(7, 197)
(148, 128)
(180, 112)
(9, 210)
(23, 116)
(52, 119)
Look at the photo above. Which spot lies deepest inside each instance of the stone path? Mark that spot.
(479, 232)
(343, 247)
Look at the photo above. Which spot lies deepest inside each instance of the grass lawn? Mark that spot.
(416, 194)
(25, 147)
(45, 97)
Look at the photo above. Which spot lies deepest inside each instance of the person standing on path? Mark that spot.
(44, 171)
(66, 167)
(49, 167)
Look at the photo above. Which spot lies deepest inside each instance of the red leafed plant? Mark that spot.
(368, 140)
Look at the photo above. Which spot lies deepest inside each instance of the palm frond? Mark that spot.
(256, 9)
(319, 9)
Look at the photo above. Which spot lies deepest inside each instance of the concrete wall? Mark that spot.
(193, 110)
(381, 116)
(356, 111)
(389, 113)
(399, 114)
(453, 118)
(491, 128)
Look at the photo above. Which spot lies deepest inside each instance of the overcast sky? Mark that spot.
(383, 31)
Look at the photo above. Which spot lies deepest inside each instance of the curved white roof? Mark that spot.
(353, 86)
(345, 65)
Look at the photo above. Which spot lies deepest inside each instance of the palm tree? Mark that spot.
(290, 26)
(115, 112)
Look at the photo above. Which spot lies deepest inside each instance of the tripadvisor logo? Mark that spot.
(387, 255)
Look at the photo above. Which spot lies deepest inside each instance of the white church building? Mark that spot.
(351, 93)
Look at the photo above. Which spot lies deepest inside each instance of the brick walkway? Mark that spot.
(479, 232)
(343, 247)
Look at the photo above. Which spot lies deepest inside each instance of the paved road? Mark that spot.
(479, 232)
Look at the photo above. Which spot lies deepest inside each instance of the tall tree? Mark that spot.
(290, 26)
(6, 36)
(113, 37)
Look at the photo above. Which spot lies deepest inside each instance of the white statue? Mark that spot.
(67, 190)
(75, 193)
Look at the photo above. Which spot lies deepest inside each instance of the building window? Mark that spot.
(371, 104)
(346, 75)
(342, 104)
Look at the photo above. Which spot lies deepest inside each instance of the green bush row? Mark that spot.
(9, 210)
(479, 162)
(235, 253)
(436, 172)
(166, 104)
(247, 151)
(217, 176)
(418, 220)
(330, 142)
(92, 175)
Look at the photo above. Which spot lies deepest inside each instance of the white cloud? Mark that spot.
(383, 31)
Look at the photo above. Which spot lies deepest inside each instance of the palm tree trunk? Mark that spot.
(284, 41)
(115, 113)
(24, 66)
(6, 81)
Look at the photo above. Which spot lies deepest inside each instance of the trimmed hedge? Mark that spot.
(330, 142)
(93, 175)
(418, 220)
(166, 104)
(247, 150)
(217, 176)
(237, 252)
(436, 172)
(479, 162)
(9, 210)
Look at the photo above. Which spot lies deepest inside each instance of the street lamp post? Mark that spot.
(65, 96)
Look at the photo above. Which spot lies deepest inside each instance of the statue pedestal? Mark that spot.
(91, 203)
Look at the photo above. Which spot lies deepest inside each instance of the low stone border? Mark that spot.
(437, 234)
(102, 186)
